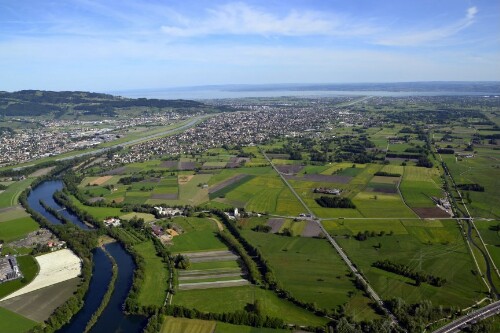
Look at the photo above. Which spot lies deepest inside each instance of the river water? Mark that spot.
(112, 318)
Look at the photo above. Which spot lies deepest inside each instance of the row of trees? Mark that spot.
(335, 202)
(404, 270)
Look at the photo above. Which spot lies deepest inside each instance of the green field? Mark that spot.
(155, 284)
(17, 228)
(326, 284)
(237, 298)
(427, 246)
(29, 268)
(228, 328)
(175, 325)
(199, 234)
(11, 194)
(11, 322)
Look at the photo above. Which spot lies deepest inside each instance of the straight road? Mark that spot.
(478, 315)
(190, 124)
(336, 246)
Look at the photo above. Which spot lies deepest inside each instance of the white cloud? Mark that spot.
(242, 19)
(419, 38)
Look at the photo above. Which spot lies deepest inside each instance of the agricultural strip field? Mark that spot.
(220, 189)
(425, 245)
(13, 323)
(38, 305)
(55, 267)
(176, 325)
(155, 284)
(419, 185)
(266, 193)
(11, 213)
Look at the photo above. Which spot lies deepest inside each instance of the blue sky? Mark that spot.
(137, 44)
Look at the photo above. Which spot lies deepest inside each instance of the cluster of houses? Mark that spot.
(245, 128)
(55, 245)
(9, 269)
(324, 190)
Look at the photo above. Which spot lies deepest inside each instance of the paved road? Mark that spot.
(191, 123)
(478, 315)
(336, 246)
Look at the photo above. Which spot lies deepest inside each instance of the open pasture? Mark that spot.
(175, 325)
(17, 228)
(429, 246)
(10, 196)
(13, 323)
(198, 234)
(326, 283)
(237, 298)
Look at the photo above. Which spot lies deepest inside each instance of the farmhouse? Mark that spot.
(168, 211)
(334, 191)
(112, 222)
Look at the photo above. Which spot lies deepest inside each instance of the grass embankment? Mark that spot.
(155, 283)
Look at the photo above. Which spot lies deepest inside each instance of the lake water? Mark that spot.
(204, 94)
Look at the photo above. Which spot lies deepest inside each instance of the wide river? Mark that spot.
(112, 318)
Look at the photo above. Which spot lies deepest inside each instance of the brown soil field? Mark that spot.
(170, 164)
(100, 180)
(166, 196)
(41, 172)
(118, 200)
(187, 165)
(326, 178)
(225, 183)
(431, 212)
(275, 224)
(185, 179)
(38, 305)
(235, 162)
(289, 169)
(312, 229)
(385, 180)
(118, 171)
